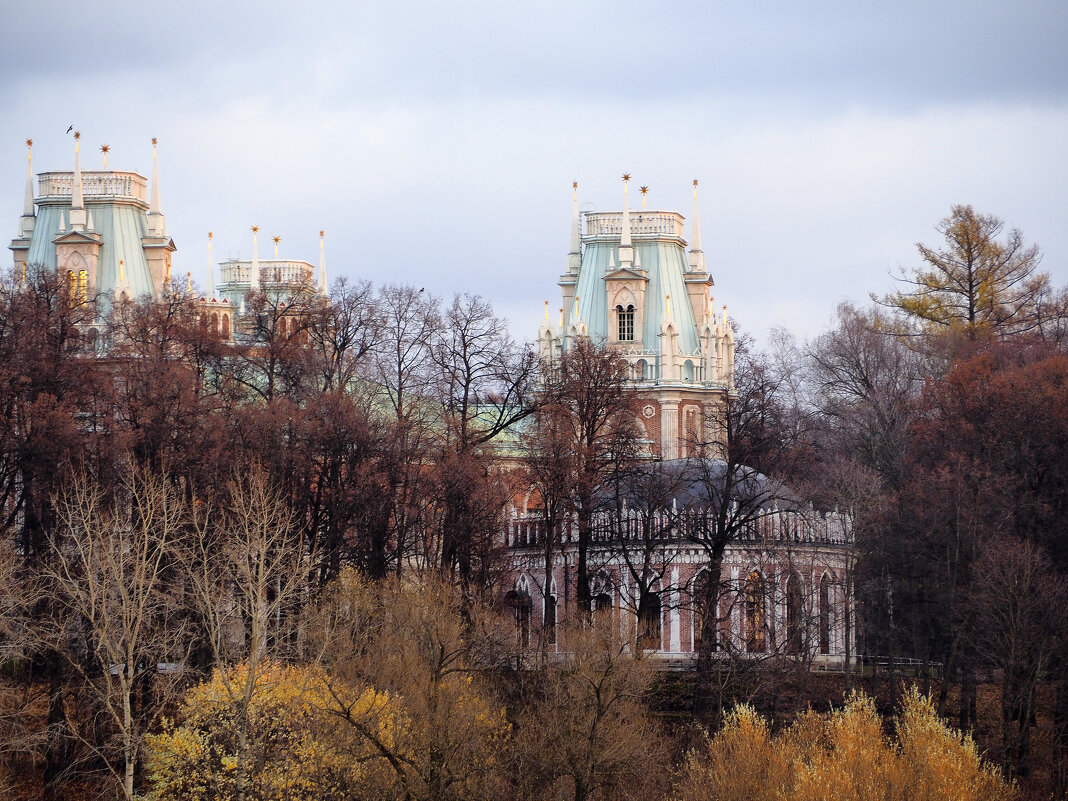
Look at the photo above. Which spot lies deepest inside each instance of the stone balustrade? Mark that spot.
(651, 224)
(767, 526)
(95, 185)
(272, 271)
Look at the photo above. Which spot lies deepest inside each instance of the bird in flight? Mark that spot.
(71, 128)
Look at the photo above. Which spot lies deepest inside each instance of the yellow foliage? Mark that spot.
(293, 747)
(841, 756)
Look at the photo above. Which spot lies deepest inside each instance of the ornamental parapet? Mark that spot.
(272, 271)
(766, 527)
(96, 184)
(643, 224)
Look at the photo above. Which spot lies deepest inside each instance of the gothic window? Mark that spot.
(550, 620)
(519, 602)
(755, 614)
(226, 326)
(701, 608)
(625, 321)
(794, 614)
(601, 603)
(83, 286)
(691, 436)
(215, 323)
(649, 615)
(825, 615)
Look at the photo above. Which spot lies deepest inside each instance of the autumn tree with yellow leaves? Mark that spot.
(841, 756)
(976, 281)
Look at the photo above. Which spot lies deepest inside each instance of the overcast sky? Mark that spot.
(436, 143)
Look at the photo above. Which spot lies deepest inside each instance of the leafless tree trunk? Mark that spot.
(246, 572)
(111, 567)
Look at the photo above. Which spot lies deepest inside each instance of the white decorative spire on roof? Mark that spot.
(77, 202)
(697, 256)
(157, 225)
(626, 253)
(254, 272)
(574, 256)
(322, 264)
(211, 270)
(28, 218)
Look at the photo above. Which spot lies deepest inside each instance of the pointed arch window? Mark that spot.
(794, 614)
(702, 607)
(519, 601)
(625, 323)
(825, 615)
(649, 621)
(550, 620)
(756, 640)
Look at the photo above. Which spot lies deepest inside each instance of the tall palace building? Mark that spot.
(106, 232)
(636, 285)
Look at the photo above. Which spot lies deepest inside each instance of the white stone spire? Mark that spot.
(697, 256)
(626, 252)
(77, 202)
(574, 256)
(28, 213)
(157, 225)
(322, 264)
(211, 270)
(254, 272)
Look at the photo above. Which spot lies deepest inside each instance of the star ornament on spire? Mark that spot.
(77, 134)
(29, 143)
(574, 184)
(255, 229)
(644, 190)
(154, 141)
(276, 239)
(105, 149)
(626, 177)
(321, 233)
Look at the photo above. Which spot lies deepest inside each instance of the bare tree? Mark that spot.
(756, 434)
(588, 408)
(585, 732)
(1018, 623)
(484, 382)
(111, 574)
(246, 572)
(426, 650)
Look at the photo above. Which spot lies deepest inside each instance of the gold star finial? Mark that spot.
(644, 190)
(105, 149)
(574, 184)
(694, 183)
(29, 143)
(154, 141)
(626, 177)
(276, 239)
(322, 233)
(210, 234)
(77, 134)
